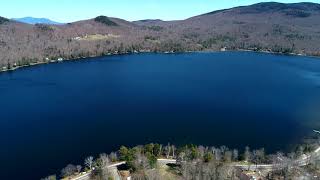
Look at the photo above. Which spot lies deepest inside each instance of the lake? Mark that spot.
(56, 114)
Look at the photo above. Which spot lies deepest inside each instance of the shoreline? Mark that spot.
(163, 158)
(145, 52)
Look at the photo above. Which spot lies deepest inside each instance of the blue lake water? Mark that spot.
(55, 114)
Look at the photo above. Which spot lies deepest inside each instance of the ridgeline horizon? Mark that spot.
(154, 19)
(270, 27)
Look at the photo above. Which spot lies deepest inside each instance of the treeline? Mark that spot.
(46, 46)
(263, 30)
(3, 20)
(193, 162)
(68, 48)
(105, 20)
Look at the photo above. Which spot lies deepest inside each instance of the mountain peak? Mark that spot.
(291, 9)
(105, 20)
(275, 6)
(294, 10)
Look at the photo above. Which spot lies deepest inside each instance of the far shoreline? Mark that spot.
(165, 52)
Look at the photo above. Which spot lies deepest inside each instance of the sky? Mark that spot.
(73, 10)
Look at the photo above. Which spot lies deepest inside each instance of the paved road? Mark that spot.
(112, 168)
(303, 161)
(166, 161)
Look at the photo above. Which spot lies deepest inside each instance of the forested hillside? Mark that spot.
(274, 27)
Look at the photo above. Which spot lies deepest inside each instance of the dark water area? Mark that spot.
(56, 114)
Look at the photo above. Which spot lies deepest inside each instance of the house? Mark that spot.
(247, 175)
(125, 175)
(224, 49)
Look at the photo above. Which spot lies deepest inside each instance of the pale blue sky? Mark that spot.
(73, 10)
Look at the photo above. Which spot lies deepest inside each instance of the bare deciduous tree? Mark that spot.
(218, 154)
(78, 168)
(89, 162)
(167, 150)
(51, 177)
(227, 157)
(235, 155)
(104, 160)
(113, 157)
(69, 170)
(247, 154)
(173, 148)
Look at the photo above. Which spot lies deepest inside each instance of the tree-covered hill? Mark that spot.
(274, 27)
(3, 20)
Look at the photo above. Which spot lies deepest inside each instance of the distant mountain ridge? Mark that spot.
(269, 27)
(32, 20)
(270, 7)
